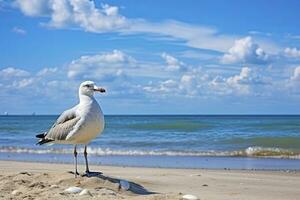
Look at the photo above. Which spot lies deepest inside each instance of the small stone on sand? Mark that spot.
(189, 197)
(54, 186)
(85, 192)
(73, 190)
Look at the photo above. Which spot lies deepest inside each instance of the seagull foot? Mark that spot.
(92, 174)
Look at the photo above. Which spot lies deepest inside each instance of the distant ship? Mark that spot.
(33, 114)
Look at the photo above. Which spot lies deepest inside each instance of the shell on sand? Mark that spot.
(189, 197)
(73, 190)
(16, 192)
(54, 186)
(85, 192)
(125, 185)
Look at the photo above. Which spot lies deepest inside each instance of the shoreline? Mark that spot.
(175, 162)
(167, 183)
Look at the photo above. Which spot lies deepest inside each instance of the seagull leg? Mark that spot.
(75, 159)
(86, 161)
(88, 173)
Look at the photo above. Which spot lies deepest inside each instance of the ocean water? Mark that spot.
(192, 141)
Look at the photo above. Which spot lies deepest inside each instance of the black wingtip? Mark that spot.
(41, 135)
(43, 141)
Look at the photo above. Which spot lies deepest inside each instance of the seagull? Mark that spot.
(78, 125)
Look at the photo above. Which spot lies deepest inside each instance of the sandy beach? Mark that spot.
(28, 180)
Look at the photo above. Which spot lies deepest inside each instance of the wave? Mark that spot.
(248, 152)
(283, 142)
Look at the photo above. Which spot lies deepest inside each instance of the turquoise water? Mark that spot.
(166, 136)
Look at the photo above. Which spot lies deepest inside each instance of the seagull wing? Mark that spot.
(65, 124)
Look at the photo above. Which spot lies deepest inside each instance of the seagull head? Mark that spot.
(88, 88)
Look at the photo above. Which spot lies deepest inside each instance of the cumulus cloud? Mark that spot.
(245, 51)
(22, 83)
(173, 64)
(164, 87)
(33, 7)
(243, 83)
(101, 66)
(18, 83)
(292, 52)
(11, 72)
(199, 83)
(47, 71)
(74, 13)
(188, 85)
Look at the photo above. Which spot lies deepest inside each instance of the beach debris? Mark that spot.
(16, 192)
(54, 186)
(195, 174)
(85, 192)
(189, 197)
(124, 185)
(204, 185)
(73, 190)
(105, 191)
(26, 173)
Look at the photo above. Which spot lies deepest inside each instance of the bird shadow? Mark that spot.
(134, 187)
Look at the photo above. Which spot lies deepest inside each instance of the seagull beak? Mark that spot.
(99, 89)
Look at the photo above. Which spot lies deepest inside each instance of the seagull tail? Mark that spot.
(43, 140)
(41, 135)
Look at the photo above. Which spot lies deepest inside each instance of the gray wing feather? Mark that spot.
(65, 116)
(63, 126)
(61, 131)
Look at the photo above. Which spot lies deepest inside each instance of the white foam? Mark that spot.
(248, 152)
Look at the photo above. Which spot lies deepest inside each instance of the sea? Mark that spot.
(257, 142)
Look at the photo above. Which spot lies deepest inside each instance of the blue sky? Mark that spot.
(168, 57)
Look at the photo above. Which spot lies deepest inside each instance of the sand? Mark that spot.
(26, 180)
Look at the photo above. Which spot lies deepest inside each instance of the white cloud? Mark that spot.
(245, 51)
(74, 13)
(84, 14)
(189, 84)
(33, 7)
(292, 52)
(240, 82)
(164, 87)
(191, 35)
(173, 64)
(247, 82)
(22, 83)
(47, 71)
(19, 31)
(13, 72)
(296, 74)
(242, 78)
(101, 66)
